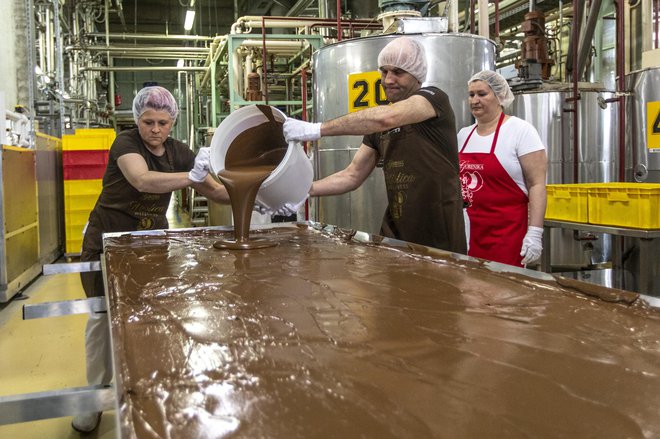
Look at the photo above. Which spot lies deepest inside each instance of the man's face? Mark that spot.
(397, 83)
(154, 127)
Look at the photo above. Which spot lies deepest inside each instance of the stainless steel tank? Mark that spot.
(643, 126)
(597, 155)
(452, 59)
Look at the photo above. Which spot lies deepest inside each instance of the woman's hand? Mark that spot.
(202, 164)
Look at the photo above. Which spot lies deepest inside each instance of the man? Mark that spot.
(415, 137)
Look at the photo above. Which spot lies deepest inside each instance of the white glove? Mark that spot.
(262, 209)
(202, 163)
(290, 209)
(297, 130)
(287, 210)
(532, 245)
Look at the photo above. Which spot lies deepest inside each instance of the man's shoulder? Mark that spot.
(432, 93)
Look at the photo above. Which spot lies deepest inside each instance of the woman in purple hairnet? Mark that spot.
(144, 168)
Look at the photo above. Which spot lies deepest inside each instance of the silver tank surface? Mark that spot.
(597, 155)
(642, 126)
(452, 59)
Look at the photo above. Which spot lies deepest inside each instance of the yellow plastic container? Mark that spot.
(88, 139)
(635, 205)
(567, 202)
(79, 199)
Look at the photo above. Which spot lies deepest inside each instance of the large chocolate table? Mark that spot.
(340, 334)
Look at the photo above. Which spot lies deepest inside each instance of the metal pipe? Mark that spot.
(586, 35)
(656, 10)
(111, 76)
(338, 20)
(294, 22)
(453, 15)
(472, 16)
(142, 69)
(497, 18)
(621, 85)
(647, 28)
(60, 62)
(484, 30)
(576, 95)
(197, 50)
(134, 36)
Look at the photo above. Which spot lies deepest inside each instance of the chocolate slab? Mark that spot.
(327, 336)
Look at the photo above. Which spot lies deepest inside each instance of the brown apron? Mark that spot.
(423, 192)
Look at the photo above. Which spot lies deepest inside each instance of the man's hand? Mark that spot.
(297, 130)
(532, 245)
(202, 163)
(287, 210)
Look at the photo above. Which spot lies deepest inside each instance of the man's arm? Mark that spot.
(136, 171)
(382, 118)
(349, 178)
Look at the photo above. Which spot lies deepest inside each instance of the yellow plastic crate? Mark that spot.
(88, 139)
(635, 205)
(567, 202)
(82, 187)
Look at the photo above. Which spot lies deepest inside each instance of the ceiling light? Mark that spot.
(179, 63)
(190, 18)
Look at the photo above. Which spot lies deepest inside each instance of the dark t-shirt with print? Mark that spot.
(420, 163)
(121, 207)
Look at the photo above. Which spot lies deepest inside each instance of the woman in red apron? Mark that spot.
(503, 173)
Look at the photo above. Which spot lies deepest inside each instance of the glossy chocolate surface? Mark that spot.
(325, 336)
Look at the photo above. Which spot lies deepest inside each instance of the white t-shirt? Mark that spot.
(517, 138)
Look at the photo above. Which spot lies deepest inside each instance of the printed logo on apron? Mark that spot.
(471, 179)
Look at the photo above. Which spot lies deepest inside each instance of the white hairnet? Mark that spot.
(406, 54)
(497, 83)
(154, 98)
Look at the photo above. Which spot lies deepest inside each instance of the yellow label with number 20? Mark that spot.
(364, 91)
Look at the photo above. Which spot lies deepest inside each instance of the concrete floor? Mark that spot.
(49, 354)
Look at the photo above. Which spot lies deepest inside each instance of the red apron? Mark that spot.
(498, 207)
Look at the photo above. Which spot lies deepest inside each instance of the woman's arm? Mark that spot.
(135, 169)
(212, 190)
(534, 167)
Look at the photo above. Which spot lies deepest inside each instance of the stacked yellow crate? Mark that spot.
(633, 205)
(84, 158)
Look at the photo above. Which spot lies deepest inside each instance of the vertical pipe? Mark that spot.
(621, 85)
(453, 16)
(656, 9)
(561, 26)
(60, 61)
(111, 74)
(338, 20)
(574, 71)
(497, 18)
(31, 59)
(647, 25)
(265, 58)
(472, 16)
(303, 88)
(484, 24)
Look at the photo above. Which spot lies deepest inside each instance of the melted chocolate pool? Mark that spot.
(325, 336)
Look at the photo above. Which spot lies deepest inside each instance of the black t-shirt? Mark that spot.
(120, 206)
(420, 163)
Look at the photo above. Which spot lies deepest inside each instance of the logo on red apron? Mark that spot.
(471, 179)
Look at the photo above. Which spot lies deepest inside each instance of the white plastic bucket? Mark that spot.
(290, 181)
